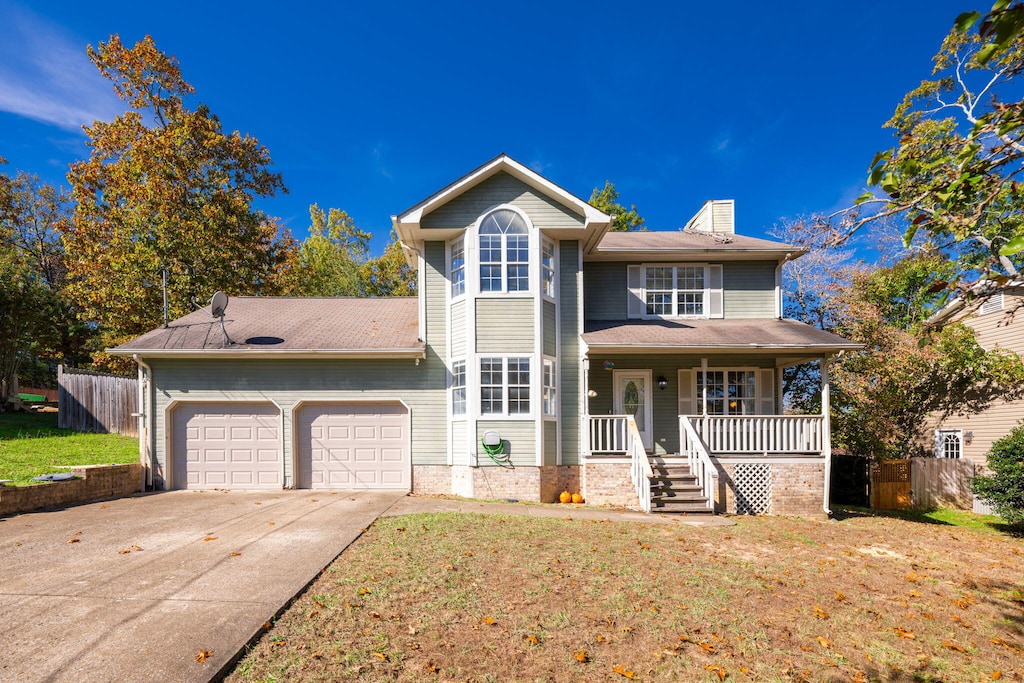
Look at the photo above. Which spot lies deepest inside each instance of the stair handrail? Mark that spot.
(640, 466)
(698, 457)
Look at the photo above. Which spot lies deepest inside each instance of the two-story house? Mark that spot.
(542, 353)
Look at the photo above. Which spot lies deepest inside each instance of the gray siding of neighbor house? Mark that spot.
(666, 402)
(287, 382)
(569, 358)
(550, 442)
(459, 329)
(605, 292)
(749, 289)
(550, 329)
(505, 325)
(520, 437)
(501, 188)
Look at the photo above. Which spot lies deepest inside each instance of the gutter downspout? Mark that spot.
(145, 452)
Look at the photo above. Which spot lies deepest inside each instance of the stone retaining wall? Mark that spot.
(93, 482)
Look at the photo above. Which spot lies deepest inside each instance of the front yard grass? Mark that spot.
(471, 597)
(31, 444)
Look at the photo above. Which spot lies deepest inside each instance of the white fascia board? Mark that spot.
(604, 349)
(364, 354)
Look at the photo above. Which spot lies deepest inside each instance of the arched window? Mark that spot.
(504, 252)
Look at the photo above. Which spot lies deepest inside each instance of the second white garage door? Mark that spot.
(353, 446)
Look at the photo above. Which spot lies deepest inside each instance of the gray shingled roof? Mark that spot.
(385, 327)
(767, 333)
(688, 241)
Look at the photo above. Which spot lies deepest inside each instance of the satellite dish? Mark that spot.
(218, 304)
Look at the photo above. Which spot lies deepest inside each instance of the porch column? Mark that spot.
(826, 431)
(585, 412)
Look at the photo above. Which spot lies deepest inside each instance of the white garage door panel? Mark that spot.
(227, 446)
(354, 446)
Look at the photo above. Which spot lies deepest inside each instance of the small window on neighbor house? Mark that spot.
(458, 268)
(547, 264)
(949, 443)
(459, 387)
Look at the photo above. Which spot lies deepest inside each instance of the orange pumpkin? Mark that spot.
(577, 498)
(565, 497)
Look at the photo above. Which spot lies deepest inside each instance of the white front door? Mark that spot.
(633, 397)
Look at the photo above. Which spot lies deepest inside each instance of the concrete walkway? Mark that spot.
(414, 504)
(133, 589)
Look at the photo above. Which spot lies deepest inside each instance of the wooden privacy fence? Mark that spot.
(922, 483)
(97, 402)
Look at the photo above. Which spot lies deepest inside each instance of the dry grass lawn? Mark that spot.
(469, 597)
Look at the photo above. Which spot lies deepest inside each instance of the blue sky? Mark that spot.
(371, 107)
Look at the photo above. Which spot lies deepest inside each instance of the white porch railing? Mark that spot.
(609, 435)
(639, 466)
(699, 460)
(762, 434)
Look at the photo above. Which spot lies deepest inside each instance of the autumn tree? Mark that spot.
(331, 257)
(389, 274)
(166, 188)
(955, 170)
(607, 200)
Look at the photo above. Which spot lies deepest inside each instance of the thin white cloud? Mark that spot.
(45, 75)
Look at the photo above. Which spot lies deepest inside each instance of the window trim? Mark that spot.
(940, 443)
(458, 242)
(712, 300)
(549, 391)
(506, 385)
(764, 390)
(546, 243)
(531, 262)
(454, 386)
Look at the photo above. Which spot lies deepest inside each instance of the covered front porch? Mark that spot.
(705, 429)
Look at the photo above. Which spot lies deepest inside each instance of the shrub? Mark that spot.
(1004, 488)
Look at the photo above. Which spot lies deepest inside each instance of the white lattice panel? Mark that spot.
(753, 488)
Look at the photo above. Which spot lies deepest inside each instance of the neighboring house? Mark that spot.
(997, 321)
(641, 369)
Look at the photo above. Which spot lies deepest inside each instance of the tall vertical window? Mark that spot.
(547, 265)
(504, 252)
(550, 389)
(730, 392)
(459, 387)
(458, 268)
(501, 379)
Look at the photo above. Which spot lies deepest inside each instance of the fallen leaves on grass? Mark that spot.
(824, 642)
(125, 551)
(624, 672)
(210, 538)
(903, 633)
(488, 621)
(582, 656)
(203, 655)
(717, 669)
(819, 613)
(953, 646)
(532, 640)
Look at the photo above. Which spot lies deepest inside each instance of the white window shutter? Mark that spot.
(716, 304)
(766, 392)
(687, 393)
(635, 282)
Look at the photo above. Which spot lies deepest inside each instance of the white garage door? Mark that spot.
(353, 446)
(234, 446)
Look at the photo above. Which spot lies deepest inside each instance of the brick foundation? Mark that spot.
(797, 489)
(431, 480)
(521, 483)
(557, 478)
(95, 482)
(609, 483)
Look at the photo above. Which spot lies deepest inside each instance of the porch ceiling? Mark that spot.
(712, 336)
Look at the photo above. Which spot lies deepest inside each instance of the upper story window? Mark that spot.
(547, 265)
(458, 268)
(504, 252)
(459, 387)
(675, 291)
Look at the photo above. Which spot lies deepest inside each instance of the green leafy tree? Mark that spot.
(955, 171)
(885, 393)
(606, 199)
(331, 258)
(166, 187)
(1004, 487)
(389, 274)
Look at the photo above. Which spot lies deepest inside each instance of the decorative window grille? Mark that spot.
(949, 443)
(753, 488)
(504, 252)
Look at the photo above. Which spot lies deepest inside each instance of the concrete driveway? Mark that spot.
(132, 589)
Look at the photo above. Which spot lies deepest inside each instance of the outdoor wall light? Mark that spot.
(662, 382)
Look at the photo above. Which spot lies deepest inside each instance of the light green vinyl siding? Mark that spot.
(666, 402)
(550, 329)
(501, 188)
(288, 382)
(550, 442)
(569, 353)
(504, 325)
(459, 329)
(605, 292)
(435, 288)
(749, 289)
(520, 437)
